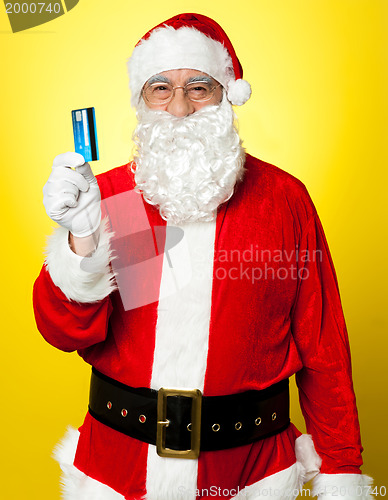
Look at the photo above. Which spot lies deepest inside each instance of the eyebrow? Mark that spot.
(164, 79)
(200, 78)
(158, 79)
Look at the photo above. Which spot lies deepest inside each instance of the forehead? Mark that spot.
(180, 76)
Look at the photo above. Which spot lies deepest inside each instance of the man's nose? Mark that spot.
(180, 105)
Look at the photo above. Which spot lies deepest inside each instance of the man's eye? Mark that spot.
(161, 91)
(198, 91)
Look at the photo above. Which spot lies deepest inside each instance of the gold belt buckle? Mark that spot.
(163, 423)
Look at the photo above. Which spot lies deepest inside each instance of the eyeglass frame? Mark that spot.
(213, 88)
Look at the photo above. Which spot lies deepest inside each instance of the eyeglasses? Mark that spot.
(162, 92)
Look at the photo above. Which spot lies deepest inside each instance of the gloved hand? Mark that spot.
(72, 197)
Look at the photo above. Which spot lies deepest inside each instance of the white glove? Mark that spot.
(72, 197)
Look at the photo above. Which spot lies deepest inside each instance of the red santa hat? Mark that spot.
(188, 41)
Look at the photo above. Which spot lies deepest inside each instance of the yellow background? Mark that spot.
(318, 69)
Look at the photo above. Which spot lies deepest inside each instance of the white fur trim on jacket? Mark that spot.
(75, 484)
(342, 487)
(168, 48)
(83, 279)
(181, 343)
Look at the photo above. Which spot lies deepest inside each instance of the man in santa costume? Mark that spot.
(196, 280)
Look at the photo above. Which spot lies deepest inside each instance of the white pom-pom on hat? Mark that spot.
(188, 41)
(239, 91)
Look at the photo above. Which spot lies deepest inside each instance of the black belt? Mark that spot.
(183, 423)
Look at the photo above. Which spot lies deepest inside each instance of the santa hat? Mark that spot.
(189, 41)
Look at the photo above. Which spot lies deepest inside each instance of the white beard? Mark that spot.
(187, 166)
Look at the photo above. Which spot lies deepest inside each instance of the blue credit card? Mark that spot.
(85, 133)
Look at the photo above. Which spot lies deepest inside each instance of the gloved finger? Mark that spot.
(64, 202)
(66, 194)
(70, 201)
(86, 171)
(69, 159)
(69, 188)
(64, 174)
(60, 207)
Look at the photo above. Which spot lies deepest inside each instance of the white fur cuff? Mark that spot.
(342, 487)
(83, 279)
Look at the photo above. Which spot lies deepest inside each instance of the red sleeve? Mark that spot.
(65, 324)
(325, 382)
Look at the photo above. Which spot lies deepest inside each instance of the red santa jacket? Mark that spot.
(274, 310)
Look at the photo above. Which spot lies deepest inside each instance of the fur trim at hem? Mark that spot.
(283, 485)
(75, 484)
(342, 487)
(83, 279)
(286, 484)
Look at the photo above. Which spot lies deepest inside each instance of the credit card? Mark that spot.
(85, 133)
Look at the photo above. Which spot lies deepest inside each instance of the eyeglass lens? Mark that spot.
(158, 93)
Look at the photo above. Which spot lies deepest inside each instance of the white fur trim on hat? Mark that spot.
(168, 48)
(83, 279)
